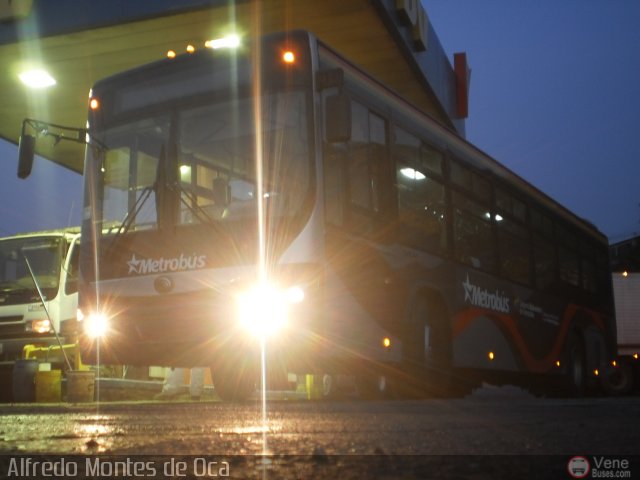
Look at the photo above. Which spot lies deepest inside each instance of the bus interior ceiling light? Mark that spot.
(412, 174)
(37, 78)
(229, 41)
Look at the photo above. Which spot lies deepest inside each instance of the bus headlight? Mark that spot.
(96, 325)
(264, 309)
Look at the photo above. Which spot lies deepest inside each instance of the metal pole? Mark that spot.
(53, 327)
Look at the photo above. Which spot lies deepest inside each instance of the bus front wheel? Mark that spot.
(234, 385)
(427, 352)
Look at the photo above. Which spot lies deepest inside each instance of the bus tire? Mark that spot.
(234, 385)
(576, 374)
(427, 353)
(373, 386)
(619, 380)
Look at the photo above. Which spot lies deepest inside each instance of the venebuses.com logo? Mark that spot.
(578, 467)
(598, 467)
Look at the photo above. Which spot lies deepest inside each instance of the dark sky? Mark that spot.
(554, 96)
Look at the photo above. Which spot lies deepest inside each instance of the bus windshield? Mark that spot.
(195, 162)
(16, 283)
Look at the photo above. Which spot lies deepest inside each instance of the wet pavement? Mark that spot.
(297, 435)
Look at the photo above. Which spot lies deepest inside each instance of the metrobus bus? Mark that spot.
(275, 195)
(53, 260)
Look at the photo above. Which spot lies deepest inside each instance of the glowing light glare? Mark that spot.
(191, 48)
(596, 372)
(625, 274)
(171, 54)
(491, 356)
(295, 295)
(288, 57)
(264, 310)
(386, 342)
(185, 173)
(229, 41)
(96, 325)
(635, 356)
(614, 363)
(557, 363)
(94, 104)
(412, 174)
(37, 78)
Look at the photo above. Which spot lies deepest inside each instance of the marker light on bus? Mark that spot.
(264, 309)
(491, 356)
(229, 41)
(94, 104)
(289, 57)
(171, 54)
(635, 356)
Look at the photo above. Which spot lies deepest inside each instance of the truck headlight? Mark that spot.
(264, 309)
(39, 326)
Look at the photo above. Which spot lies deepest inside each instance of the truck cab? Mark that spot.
(38, 275)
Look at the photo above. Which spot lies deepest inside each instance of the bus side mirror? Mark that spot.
(337, 118)
(26, 152)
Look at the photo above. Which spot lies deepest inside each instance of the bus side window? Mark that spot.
(71, 285)
(334, 184)
(421, 197)
(367, 154)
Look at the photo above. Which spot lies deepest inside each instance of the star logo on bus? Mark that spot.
(134, 264)
(468, 289)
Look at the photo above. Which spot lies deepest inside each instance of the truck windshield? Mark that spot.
(196, 163)
(16, 283)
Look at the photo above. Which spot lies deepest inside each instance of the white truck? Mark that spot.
(53, 258)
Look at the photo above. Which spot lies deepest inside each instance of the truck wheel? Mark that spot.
(619, 380)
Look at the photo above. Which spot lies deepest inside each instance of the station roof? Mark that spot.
(80, 42)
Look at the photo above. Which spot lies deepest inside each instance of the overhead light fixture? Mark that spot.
(230, 41)
(37, 78)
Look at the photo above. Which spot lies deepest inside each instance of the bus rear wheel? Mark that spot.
(576, 374)
(619, 380)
